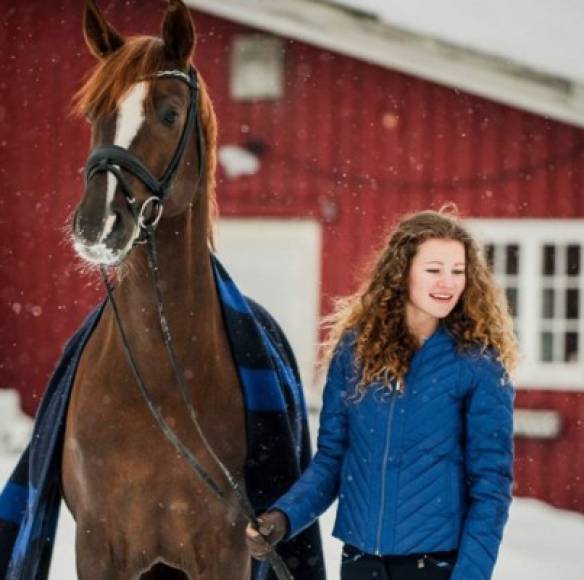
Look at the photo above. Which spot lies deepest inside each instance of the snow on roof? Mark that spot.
(519, 52)
(542, 35)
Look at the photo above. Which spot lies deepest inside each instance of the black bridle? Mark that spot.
(112, 159)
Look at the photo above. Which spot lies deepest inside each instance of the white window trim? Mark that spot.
(531, 235)
(252, 249)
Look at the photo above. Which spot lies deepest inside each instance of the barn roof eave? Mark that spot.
(335, 28)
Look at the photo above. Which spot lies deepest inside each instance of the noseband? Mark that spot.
(112, 159)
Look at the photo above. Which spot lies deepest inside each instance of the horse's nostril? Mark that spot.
(79, 226)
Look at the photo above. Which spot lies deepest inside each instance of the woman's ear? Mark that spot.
(101, 37)
(178, 32)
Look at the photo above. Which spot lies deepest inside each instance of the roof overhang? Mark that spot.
(360, 36)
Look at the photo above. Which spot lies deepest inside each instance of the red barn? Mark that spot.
(341, 121)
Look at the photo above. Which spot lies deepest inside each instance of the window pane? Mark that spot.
(549, 260)
(571, 347)
(573, 260)
(547, 347)
(572, 306)
(512, 259)
(547, 310)
(490, 255)
(512, 300)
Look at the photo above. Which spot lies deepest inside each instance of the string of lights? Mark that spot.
(345, 177)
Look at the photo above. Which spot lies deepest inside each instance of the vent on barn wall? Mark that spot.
(537, 424)
(257, 67)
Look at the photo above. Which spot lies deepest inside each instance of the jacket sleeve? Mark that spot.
(318, 486)
(489, 469)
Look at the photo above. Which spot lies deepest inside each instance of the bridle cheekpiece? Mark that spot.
(113, 159)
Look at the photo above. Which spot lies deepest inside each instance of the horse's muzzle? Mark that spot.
(106, 241)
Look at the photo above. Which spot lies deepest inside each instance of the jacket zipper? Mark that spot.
(384, 471)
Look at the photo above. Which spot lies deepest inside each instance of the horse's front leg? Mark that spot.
(218, 549)
(96, 557)
(233, 559)
(232, 564)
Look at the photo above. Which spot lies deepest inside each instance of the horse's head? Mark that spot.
(150, 121)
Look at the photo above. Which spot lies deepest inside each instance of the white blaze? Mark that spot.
(128, 122)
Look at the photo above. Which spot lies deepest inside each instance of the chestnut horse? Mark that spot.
(140, 510)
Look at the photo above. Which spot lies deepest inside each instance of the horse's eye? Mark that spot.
(170, 117)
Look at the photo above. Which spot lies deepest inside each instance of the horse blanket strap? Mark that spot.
(277, 441)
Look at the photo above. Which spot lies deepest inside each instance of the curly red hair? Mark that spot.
(376, 312)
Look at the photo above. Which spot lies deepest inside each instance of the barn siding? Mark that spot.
(365, 142)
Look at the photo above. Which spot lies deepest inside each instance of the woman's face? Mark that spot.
(437, 277)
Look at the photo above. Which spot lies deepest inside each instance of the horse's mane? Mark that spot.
(110, 79)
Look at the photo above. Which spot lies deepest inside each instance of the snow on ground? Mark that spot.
(540, 542)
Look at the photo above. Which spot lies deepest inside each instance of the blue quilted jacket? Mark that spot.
(426, 470)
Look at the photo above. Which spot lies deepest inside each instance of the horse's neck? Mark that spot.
(186, 280)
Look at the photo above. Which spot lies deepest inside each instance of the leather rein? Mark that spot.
(112, 159)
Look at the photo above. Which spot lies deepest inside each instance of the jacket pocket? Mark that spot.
(434, 491)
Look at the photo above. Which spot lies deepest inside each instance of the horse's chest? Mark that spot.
(115, 451)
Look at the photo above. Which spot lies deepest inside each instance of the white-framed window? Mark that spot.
(540, 265)
(257, 67)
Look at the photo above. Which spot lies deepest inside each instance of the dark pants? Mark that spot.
(357, 565)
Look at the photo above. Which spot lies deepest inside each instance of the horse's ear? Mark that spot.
(101, 37)
(178, 32)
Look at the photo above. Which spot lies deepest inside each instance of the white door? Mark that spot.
(277, 263)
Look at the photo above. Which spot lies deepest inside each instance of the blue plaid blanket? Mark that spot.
(277, 441)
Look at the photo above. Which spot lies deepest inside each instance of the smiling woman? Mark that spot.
(436, 281)
(416, 428)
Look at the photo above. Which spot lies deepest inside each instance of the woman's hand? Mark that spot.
(273, 527)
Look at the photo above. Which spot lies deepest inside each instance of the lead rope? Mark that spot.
(177, 367)
(242, 506)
